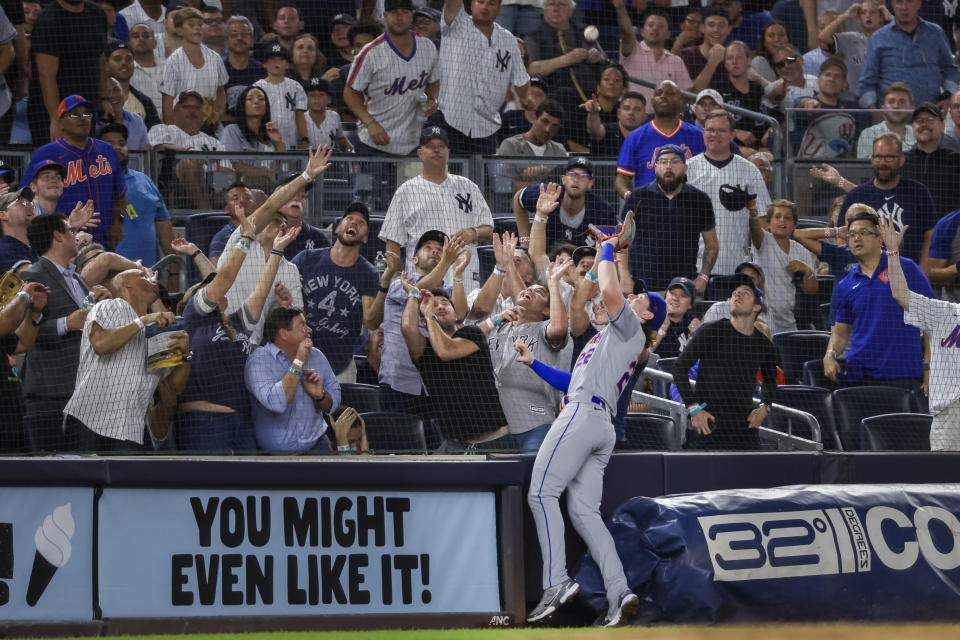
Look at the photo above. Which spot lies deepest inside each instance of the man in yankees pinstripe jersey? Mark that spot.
(387, 81)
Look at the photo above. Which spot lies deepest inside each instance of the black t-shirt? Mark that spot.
(463, 394)
(668, 233)
(939, 171)
(611, 142)
(12, 438)
(752, 100)
(727, 376)
(77, 40)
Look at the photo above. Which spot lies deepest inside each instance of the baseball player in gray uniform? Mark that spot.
(581, 439)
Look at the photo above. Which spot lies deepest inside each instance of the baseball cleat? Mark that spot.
(627, 605)
(552, 599)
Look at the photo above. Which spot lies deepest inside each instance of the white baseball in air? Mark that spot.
(591, 33)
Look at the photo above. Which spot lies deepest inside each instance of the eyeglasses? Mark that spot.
(785, 62)
(885, 158)
(669, 162)
(930, 120)
(857, 235)
(577, 174)
(78, 116)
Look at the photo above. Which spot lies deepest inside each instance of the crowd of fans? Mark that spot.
(252, 358)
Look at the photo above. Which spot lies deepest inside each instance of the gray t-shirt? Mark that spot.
(606, 363)
(528, 401)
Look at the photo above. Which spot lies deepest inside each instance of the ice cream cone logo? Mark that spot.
(52, 540)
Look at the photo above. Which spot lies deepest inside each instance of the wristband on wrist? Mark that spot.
(24, 296)
(139, 323)
(195, 254)
(606, 253)
(276, 252)
(306, 176)
(891, 254)
(703, 276)
(540, 218)
(344, 449)
(295, 372)
(497, 321)
(297, 362)
(697, 409)
(831, 353)
(500, 272)
(246, 237)
(415, 293)
(458, 281)
(383, 289)
(243, 246)
(592, 277)
(491, 325)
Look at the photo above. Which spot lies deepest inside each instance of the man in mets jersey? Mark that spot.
(576, 450)
(93, 170)
(388, 81)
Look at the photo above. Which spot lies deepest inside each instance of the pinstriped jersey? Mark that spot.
(391, 85)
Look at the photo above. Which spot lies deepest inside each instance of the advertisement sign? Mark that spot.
(176, 552)
(870, 552)
(46, 550)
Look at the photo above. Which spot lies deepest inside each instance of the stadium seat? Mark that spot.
(486, 260)
(505, 223)
(661, 388)
(362, 397)
(807, 308)
(919, 402)
(651, 432)
(796, 348)
(896, 432)
(853, 404)
(199, 228)
(400, 432)
(813, 375)
(700, 307)
(816, 401)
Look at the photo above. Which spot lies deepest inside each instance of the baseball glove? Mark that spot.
(735, 198)
(623, 232)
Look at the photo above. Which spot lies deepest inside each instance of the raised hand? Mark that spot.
(282, 295)
(892, 239)
(591, 105)
(83, 216)
(549, 198)
(461, 264)
(303, 349)
(319, 160)
(183, 247)
(452, 248)
(393, 266)
(406, 281)
(557, 268)
(273, 132)
(426, 301)
(826, 173)
(246, 226)
(501, 254)
(285, 236)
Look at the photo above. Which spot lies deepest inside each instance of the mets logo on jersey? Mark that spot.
(687, 153)
(952, 340)
(77, 174)
(401, 85)
(884, 277)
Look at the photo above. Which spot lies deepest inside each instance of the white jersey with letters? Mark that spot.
(733, 227)
(180, 75)
(392, 85)
(327, 132)
(286, 98)
(477, 72)
(419, 206)
(941, 321)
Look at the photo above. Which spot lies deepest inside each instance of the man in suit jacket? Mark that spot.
(51, 366)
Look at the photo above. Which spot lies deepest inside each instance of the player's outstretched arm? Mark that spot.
(318, 162)
(557, 378)
(613, 298)
(893, 240)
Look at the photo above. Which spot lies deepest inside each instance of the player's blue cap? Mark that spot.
(8, 175)
(743, 280)
(50, 165)
(659, 308)
(70, 103)
(668, 149)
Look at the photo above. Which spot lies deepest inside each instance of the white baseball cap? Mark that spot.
(712, 93)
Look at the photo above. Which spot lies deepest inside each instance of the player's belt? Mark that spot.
(597, 400)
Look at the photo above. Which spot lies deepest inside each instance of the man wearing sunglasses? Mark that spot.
(793, 83)
(579, 206)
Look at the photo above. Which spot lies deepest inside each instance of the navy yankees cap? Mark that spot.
(751, 265)
(288, 177)
(343, 18)
(434, 235)
(684, 283)
(276, 50)
(317, 83)
(583, 252)
(358, 207)
(668, 149)
(434, 133)
(581, 163)
(116, 45)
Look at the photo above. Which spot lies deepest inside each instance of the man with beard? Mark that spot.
(897, 103)
(579, 206)
(729, 180)
(146, 219)
(339, 287)
(639, 150)
(905, 202)
(932, 163)
(672, 216)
